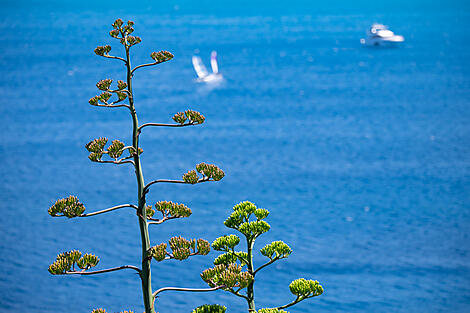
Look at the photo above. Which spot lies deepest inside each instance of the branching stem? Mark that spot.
(154, 295)
(171, 181)
(144, 65)
(110, 209)
(165, 125)
(83, 272)
(114, 57)
(266, 264)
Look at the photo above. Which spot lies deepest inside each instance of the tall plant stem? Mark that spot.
(145, 274)
(250, 292)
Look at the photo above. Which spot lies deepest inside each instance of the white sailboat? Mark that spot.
(201, 71)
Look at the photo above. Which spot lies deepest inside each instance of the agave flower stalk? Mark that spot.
(248, 220)
(73, 262)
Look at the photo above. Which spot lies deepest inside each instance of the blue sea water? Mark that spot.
(360, 154)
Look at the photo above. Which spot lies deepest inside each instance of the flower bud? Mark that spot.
(305, 288)
(276, 249)
(203, 247)
(104, 84)
(115, 149)
(158, 252)
(87, 261)
(102, 50)
(180, 118)
(190, 177)
(171, 209)
(117, 23)
(194, 117)
(114, 33)
(121, 85)
(69, 207)
(96, 145)
(210, 308)
(161, 56)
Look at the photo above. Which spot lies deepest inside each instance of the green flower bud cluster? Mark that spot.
(191, 177)
(102, 50)
(180, 118)
(120, 28)
(210, 308)
(271, 311)
(121, 96)
(161, 56)
(104, 311)
(115, 149)
(276, 249)
(96, 149)
(132, 150)
(114, 33)
(103, 98)
(104, 84)
(226, 243)
(193, 117)
(117, 23)
(150, 212)
(66, 260)
(171, 209)
(210, 171)
(181, 249)
(240, 220)
(232, 257)
(131, 40)
(87, 261)
(254, 229)
(121, 85)
(230, 276)
(158, 252)
(304, 288)
(69, 207)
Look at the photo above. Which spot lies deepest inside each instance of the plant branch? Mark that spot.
(144, 65)
(297, 300)
(238, 294)
(157, 221)
(116, 162)
(83, 272)
(165, 125)
(266, 264)
(109, 210)
(154, 295)
(112, 105)
(114, 57)
(171, 181)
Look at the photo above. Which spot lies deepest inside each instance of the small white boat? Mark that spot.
(201, 71)
(380, 35)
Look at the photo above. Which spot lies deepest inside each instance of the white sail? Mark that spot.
(199, 67)
(214, 65)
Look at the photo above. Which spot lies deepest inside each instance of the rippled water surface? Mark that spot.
(360, 154)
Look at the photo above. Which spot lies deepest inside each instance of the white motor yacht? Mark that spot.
(201, 71)
(380, 35)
